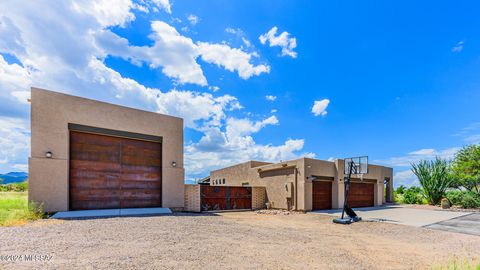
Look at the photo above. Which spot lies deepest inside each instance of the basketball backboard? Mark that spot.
(359, 165)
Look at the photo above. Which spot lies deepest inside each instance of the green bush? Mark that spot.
(401, 189)
(413, 195)
(16, 187)
(464, 198)
(454, 196)
(470, 200)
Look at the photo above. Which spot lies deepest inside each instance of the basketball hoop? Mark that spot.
(355, 166)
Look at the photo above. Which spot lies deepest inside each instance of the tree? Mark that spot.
(434, 178)
(465, 169)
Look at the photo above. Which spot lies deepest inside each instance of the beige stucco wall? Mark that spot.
(51, 112)
(305, 170)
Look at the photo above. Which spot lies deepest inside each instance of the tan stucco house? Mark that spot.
(308, 184)
(87, 154)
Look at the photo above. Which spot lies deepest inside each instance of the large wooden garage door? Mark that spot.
(361, 195)
(113, 172)
(321, 195)
(225, 198)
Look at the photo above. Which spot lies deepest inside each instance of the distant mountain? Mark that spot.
(13, 177)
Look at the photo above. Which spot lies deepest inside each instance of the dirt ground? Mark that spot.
(241, 240)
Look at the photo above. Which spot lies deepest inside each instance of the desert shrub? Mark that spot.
(413, 195)
(464, 198)
(454, 196)
(470, 200)
(400, 189)
(434, 178)
(16, 187)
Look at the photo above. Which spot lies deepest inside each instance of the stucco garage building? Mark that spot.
(87, 154)
(308, 184)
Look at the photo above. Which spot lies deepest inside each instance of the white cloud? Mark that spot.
(214, 88)
(177, 54)
(473, 139)
(270, 98)
(164, 4)
(193, 19)
(416, 156)
(240, 35)
(470, 134)
(107, 12)
(217, 148)
(174, 53)
(406, 178)
(242, 127)
(320, 107)
(22, 96)
(287, 43)
(72, 61)
(458, 47)
(231, 59)
(423, 152)
(14, 142)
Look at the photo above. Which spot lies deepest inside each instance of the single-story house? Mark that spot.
(87, 154)
(308, 184)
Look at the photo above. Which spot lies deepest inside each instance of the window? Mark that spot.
(224, 181)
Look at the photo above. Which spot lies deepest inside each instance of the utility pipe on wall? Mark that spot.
(296, 192)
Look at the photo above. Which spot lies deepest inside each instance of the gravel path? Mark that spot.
(230, 241)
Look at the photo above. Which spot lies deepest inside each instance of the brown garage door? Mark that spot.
(321, 195)
(361, 195)
(113, 172)
(225, 198)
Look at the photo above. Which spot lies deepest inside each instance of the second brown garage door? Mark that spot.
(321, 195)
(114, 172)
(361, 195)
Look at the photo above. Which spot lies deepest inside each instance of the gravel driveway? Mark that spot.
(230, 240)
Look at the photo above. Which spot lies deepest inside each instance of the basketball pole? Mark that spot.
(346, 208)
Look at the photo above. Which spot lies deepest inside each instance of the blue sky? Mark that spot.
(395, 81)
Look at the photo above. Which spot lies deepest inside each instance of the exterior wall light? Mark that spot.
(48, 154)
(174, 164)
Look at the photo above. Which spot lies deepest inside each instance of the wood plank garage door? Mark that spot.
(361, 194)
(114, 172)
(321, 195)
(225, 198)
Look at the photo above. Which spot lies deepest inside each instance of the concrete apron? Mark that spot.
(399, 215)
(104, 213)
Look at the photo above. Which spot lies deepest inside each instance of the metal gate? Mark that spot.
(225, 198)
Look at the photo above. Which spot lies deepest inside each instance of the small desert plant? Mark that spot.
(457, 264)
(434, 178)
(412, 195)
(463, 198)
(454, 196)
(401, 189)
(470, 200)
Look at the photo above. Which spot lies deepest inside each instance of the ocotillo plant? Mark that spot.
(434, 178)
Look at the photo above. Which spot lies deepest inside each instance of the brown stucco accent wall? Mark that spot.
(51, 112)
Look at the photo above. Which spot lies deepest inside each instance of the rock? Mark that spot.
(445, 203)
